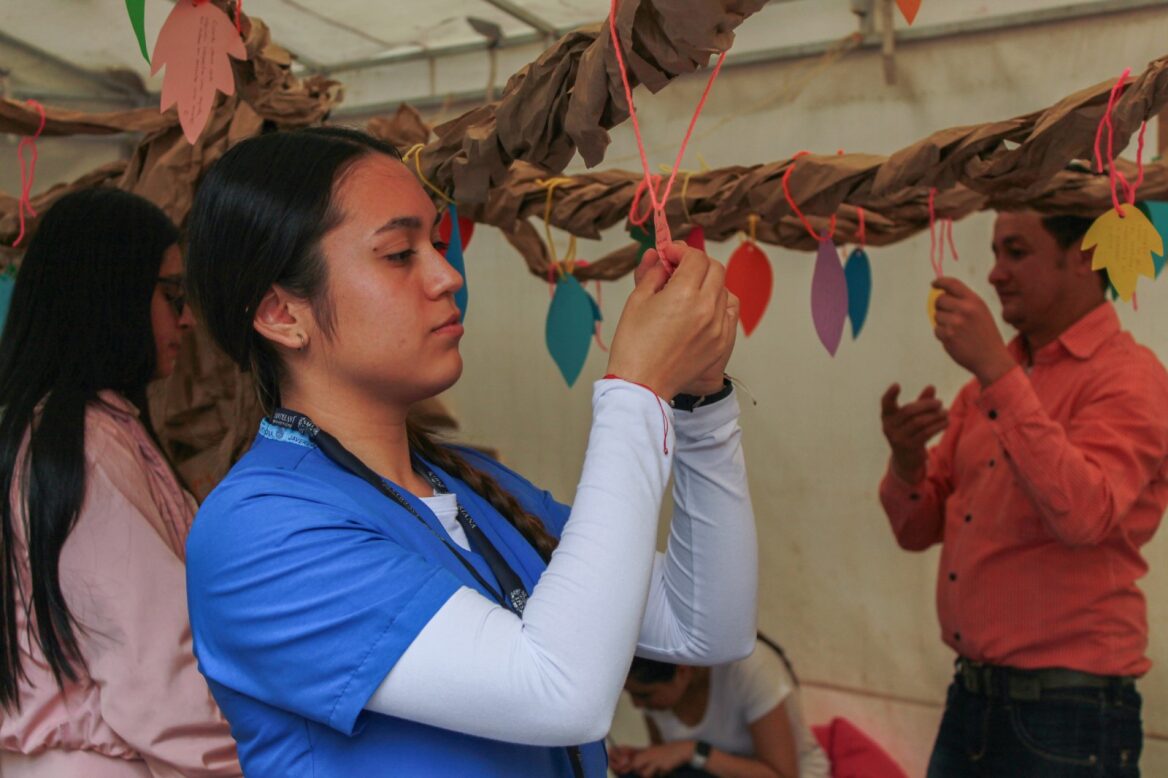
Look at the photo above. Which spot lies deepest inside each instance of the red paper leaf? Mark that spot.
(696, 238)
(748, 275)
(909, 9)
(195, 45)
(465, 228)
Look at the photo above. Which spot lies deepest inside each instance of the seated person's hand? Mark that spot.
(662, 759)
(620, 758)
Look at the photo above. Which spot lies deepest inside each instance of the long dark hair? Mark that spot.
(258, 220)
(79, 323)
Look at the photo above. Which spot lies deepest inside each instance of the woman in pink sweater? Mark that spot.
(97, 677)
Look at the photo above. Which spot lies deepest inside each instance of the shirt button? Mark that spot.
(993, 462)
(993, 415)
(953, 576)
(968, 517)
(957, 636)
(914, 496)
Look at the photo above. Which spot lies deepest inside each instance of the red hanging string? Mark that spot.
(794, 206)
(644, 184)
(657, 397)
(28, 171)
(239, 16)
(660, 222)
(861, 234)
(1117, 178)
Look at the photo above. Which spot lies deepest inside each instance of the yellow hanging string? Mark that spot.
(550, 185)
(752, 227)
(415, 153)
(702, 162)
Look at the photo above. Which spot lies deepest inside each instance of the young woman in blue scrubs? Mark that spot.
(366, 601)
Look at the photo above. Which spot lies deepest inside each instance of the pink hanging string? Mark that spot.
(661, 224)
(642, 186)
(795, 207)
(937, 249)
(1118, 180)
(28, 172)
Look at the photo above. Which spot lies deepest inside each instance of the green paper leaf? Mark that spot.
(571, 321)
(137, 11)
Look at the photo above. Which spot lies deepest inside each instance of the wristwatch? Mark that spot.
(688, 402)
(701, 755)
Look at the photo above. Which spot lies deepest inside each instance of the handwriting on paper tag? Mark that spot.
(931, 306)
(196, 45)
(662, 236)
(1124, 246)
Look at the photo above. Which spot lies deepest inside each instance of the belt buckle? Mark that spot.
(970, 678)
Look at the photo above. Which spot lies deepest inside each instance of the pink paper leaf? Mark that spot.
(829, 296)
(195, 45)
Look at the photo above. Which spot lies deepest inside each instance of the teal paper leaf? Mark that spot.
(571, 321)
(858, 272)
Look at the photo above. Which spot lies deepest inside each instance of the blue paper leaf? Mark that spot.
(1157, 213)
(571, 320)
(454, 257)
(7, 281)
(829, 296)
(858, 272)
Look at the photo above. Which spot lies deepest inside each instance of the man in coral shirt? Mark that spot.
(1051, 473)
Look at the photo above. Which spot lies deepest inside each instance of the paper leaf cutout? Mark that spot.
(465, 227)
(858, 272)
(829, 296)
(909, 8)
(7, 282)
(748, 275)
(931, 306)
(455, 258)
(644, 236)
(571, 322)
(1157, 213)
(195, 46)
(137, 11)
(1124, 246)
(696, 238)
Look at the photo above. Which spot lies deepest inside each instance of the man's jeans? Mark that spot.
(1066, 733)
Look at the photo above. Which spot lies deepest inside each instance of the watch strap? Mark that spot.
(690, 402)
(701, 755)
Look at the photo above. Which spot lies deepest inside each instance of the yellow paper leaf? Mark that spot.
(931, 306)
(1124, 246)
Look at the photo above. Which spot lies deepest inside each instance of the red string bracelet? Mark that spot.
(661, 405)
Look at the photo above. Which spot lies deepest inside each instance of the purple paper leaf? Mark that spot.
(829, 296)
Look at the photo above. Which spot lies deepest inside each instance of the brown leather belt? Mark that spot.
(988, 680)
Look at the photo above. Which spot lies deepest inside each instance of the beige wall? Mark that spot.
(854, 611)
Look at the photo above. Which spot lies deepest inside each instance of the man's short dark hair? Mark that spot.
(1067, 231)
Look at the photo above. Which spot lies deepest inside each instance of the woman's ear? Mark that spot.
(284, 319)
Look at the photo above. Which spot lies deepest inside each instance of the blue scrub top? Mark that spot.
(306, 584)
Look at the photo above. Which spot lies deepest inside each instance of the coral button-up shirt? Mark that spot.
(1042, 491)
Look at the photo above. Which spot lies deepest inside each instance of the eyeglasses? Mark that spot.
(176, 296)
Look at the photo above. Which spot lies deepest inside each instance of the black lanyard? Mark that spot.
(516, 598)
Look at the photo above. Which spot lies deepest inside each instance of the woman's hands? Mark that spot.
(676, 333)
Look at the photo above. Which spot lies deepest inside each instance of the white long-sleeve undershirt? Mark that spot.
(554, 677)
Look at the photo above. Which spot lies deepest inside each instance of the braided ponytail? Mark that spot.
(483, 485)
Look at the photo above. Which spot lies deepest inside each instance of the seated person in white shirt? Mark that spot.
(737, 720)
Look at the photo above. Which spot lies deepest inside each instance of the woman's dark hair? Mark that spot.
(651, 671)
(259, 218)
(79, 322)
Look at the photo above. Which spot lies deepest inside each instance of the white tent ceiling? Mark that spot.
(389, 50)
